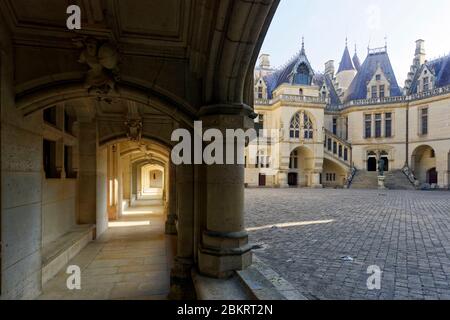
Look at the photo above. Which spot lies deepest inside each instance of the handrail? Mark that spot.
(351, 176)
(410, 175)
(344, 142)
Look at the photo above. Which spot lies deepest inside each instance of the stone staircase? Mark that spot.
(365, 180)
(396, 180)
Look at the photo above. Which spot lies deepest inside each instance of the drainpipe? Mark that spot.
(407, 134)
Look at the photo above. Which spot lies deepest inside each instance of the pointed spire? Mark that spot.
(356, 61)
(346, 61)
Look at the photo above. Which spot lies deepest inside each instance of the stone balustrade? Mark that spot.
(354, 103)
(337, 148)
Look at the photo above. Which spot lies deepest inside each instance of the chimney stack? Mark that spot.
(264, 61)
(329, 68)
(420, 55)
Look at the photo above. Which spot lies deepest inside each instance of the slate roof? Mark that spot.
(440, 69)
(358, 87)
(285, 74)
(356, 62)
(346, 62)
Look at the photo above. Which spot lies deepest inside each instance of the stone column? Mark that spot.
(113, 182)
(171, 227)
(181, 272)
(315, 180)
(283, 179)
(87, 182)
(224, 246)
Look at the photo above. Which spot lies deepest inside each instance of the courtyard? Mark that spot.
(323, 240)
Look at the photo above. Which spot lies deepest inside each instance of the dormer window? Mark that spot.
(260, 92)
(303, 75)
(378, 87)
(426, 84)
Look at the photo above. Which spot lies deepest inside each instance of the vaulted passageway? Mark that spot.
(86, 114)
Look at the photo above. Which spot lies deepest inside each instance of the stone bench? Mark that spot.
(58, 253)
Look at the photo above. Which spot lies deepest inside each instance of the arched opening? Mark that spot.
(86, 181)
(423, 163)
(385, 157)
(372, 161)
(301, 167)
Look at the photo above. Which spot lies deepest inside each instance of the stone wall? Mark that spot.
(21, 176)
(59, 207)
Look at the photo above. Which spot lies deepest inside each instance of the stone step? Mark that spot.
(365, 180)
(396, 180)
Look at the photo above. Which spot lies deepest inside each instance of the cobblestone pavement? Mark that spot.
(405, 233)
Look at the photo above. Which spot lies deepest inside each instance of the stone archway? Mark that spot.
(424, 164)
(301, 167)
(173, 71)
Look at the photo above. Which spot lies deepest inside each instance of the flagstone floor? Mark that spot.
(132, 260)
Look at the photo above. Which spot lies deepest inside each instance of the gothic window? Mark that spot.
(303, 76)
(301, 122)
(295, 127)
(378, 77)
(308, 127)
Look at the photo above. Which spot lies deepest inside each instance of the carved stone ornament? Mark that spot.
(134, 129)
(102, 58)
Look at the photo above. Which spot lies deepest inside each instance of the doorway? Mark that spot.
(292, 179)
(372, 164)
(432, 176)
(262, 180)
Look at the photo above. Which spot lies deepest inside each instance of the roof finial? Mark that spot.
(356, 49)
(303, 45)
(385, 42)
(346, 41)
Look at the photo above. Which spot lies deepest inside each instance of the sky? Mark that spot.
(326, 23)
